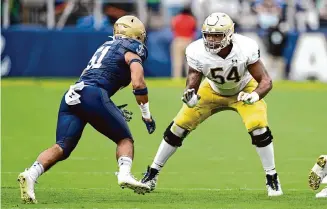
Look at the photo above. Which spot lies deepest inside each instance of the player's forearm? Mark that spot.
(264, 86)
(140, 90)
(193, 80)
(141, 99)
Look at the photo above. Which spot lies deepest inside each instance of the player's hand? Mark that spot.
(190, 98)
(150, 124)
(248, 98)
(126, 113)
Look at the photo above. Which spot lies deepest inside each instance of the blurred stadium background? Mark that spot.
(45, 45)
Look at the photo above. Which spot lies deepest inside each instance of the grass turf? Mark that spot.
(217, 167)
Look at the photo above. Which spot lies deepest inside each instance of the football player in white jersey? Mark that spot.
(318, 175)
(235, 79)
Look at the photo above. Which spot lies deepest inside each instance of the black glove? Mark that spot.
(151, 126)
(126, 114)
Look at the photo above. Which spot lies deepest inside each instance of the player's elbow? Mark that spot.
(269, 84)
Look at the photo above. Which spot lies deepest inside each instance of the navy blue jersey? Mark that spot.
(108, 69)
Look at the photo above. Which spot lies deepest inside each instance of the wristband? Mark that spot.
(140, 91)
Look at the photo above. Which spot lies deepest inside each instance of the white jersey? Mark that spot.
(226, 76)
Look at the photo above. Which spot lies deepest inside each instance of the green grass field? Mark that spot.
(217, 167)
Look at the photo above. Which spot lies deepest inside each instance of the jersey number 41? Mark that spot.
(97, 58)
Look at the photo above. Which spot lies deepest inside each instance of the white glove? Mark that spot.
(248, 98)
(190, 98)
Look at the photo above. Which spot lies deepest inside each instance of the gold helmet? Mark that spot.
(131, 27)
(217, 24)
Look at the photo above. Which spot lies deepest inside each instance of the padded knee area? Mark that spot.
(174, 135)
(262, 140)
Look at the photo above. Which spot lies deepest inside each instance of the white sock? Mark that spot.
(267, 158)
(164, 152)
(125, 164)
(36, 170)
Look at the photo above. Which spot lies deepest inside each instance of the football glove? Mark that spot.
(248, 98)
(150, 125)
(126, 113)
(190, 98)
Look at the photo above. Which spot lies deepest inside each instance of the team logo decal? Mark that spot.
(140, 50)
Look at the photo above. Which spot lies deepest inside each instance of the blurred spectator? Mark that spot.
(88, 22)
(153, 6)
(322, 8)
(79, 9)
(269, 12)
(306, 16)
(31, 10)
(14, 11)
(203, 8)
(275, 42)
(184, 29)
(116, 10)
(173, 7)
(154, 17)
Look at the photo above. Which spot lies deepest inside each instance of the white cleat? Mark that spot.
(128, 181)
(322, 193)
(26, 184)
(273, 186)
(318, 172)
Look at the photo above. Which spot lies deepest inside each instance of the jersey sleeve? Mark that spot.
(137, 48)
(193, 58)
(254, 53)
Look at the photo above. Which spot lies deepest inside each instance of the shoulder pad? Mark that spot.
(135, 47)
(194, 54)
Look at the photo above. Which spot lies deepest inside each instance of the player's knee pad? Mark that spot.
(261, 137)
(174, 135)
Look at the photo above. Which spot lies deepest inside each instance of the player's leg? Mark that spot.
(69, 131)
(255, 119)
(186, 120)
(106, 118)
(318, 172)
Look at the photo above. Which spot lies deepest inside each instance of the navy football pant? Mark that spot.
(97, 109)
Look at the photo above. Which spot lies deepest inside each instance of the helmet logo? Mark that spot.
(212, 20)
(140, 50)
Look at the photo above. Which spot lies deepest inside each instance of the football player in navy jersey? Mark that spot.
(113, 66)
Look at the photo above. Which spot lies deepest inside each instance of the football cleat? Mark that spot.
(318, 172)
(26, 184)
(150, 178)
(128, 181)
(273, 186)
(322, 193)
